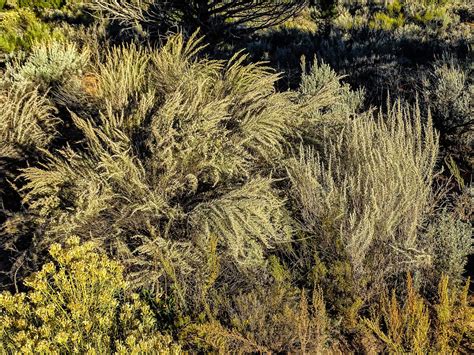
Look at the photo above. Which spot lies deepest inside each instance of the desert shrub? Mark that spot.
(214, 18)
(425, 13)
(347, 21)
(49, 64)
(413, 327)
(386, 21)
(20, 29)
(451, 242)
(277, 318)
(334, 98)
(267, 322)
(229, 201)
(390, 19)
(177, 158)
(430, 12)
(368, 189)
(302, 21)
(449, 92)
(78, 303)
(130, 64)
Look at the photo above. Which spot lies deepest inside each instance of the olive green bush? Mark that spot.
(412, 327)
(21, 28)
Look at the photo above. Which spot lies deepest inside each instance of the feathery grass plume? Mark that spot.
(248, 221)
(26, 118)
(169, 163)
(369, 188)
(50, 63)
(79, 302)
(122, 77)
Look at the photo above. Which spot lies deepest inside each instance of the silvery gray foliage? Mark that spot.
(449, 91)
(451, 241)
(49, 63)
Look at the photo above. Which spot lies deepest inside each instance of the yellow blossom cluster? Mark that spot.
(78, 303)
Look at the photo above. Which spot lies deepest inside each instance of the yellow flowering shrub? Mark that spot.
(78, 303)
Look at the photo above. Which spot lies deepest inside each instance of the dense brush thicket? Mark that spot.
(159, 195)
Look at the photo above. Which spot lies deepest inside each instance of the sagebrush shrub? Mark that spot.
(50, 64)
(451, 242)
(182, 149)
(449, 92)
(368, 189)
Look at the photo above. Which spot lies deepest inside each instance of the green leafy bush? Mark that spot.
(20, 29)
(42, 4)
